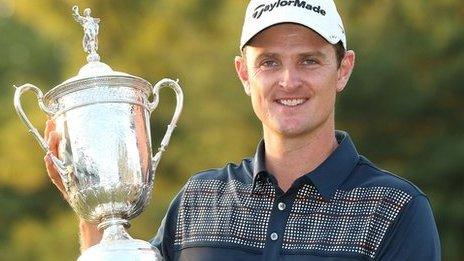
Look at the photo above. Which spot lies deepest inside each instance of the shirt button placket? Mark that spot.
(276, 237)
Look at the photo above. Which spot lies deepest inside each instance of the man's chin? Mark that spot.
(291, 132)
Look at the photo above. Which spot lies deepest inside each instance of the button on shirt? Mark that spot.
(346, 209)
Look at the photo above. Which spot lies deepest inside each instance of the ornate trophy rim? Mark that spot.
(68, 87)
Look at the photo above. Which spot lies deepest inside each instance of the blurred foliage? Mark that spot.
(403, 105)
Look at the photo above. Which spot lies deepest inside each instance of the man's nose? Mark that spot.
(290, 79)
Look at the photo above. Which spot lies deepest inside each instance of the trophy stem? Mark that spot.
(114, 228)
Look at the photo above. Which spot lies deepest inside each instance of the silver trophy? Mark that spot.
(105, 154)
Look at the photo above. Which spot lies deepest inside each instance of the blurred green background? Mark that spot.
(403, 106)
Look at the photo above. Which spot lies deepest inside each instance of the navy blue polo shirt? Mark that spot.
(346, 209)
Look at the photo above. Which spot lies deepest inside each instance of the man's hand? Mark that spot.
(89, 234)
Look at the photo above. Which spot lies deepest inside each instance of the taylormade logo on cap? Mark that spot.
(281, 3)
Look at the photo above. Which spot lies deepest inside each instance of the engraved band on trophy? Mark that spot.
(105, 153)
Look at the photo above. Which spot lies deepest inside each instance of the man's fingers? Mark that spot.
(53, 142)
(53, 139)
(54, 175)
(49, 126)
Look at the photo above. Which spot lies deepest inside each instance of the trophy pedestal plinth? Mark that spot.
(122, 250)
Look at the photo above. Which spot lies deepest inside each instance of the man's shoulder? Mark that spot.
(242, 172)
(367, 174)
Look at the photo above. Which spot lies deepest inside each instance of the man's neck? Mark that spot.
(290, 158)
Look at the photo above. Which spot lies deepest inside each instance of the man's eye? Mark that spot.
(269, 64)
(309, 61)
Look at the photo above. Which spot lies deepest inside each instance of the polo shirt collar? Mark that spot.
(329, 175)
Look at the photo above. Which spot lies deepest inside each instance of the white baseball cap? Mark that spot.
(319, 15)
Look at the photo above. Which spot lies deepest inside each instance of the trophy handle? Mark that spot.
(59, 165)
(174, 85)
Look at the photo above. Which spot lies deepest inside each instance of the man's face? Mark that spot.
(292, 76)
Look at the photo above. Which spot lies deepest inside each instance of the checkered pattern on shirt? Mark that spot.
(225, 212)
(355, 221)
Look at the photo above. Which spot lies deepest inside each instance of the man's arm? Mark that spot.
(88, 233)
(414, 236)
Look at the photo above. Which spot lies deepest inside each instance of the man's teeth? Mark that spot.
(291, 102)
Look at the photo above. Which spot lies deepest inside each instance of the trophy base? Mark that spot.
(122, 250)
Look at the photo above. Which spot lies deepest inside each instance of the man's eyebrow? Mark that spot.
(313, 54)
(319, 54)
(266, 55)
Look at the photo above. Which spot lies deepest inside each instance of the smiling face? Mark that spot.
(292, 76)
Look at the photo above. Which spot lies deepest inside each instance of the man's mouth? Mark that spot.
(291, 102)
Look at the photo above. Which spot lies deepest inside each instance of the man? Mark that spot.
(306, 194)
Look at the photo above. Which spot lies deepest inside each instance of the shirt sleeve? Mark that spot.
(164, 238)
(414, 236)
(157, 241)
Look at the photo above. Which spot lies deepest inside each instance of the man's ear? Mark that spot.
(242, 73)
(345, 70)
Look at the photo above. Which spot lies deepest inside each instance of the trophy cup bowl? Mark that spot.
(105, 154)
